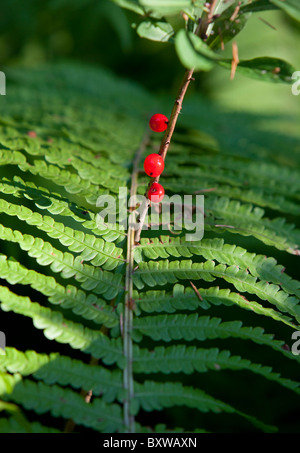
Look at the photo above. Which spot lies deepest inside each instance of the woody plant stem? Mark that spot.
(188, 76)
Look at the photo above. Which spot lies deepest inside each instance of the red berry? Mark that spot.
(158, 122)
(156, 192)
(154, 165)
(31, 134)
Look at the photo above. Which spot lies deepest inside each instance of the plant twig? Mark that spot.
(188, 76)
(235, 60)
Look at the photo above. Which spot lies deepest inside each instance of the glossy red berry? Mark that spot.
(158, 122)
(154, 165)
(156, 192)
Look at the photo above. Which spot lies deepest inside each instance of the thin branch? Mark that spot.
(188, 76)
(235, 12)
(196, 291)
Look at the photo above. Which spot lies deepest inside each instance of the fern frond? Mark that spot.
(92, 278)
(252, 195)
(247, 220)
(61, 403)
(91, 166)
(241, 172)
(187, 359)
(89, 306)
(261, 266)
(57, 328)
(160, 273)
(163, 429)
(98, 170)
(153, 395)
(71, 182)
(57, 205)
(186, 299)
(62, 370)
(61, 256)
(95, 250)
(195, 327)
(11, 425)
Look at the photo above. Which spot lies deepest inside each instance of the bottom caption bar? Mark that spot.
(150, 441)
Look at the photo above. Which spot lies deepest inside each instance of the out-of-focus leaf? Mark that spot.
(17, 414)
(10, 407)
(155, 30)
(193, 52)
(291, 7)
(132, 5)
(227, 26)
(166, 7)
(264, 68)
(258, 5)
(177, 22)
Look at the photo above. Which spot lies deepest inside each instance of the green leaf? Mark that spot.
(155, 30)
(163, 272)
(165, 7)
(266, 69)
(156, 396)
(192, 327)
(61, 402)
(56, 327)
(259, 265)
(58, 369)
(13, 425)
(291, 7)
(132, 5)
(180, 358)
(193, 52)
(258, 5)
(225, 28)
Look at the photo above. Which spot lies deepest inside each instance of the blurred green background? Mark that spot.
(99, 32)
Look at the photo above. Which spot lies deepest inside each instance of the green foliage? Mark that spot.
(68, 277)
(229, 20)
(188, 331)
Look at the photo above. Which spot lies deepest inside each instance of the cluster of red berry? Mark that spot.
(154, 164)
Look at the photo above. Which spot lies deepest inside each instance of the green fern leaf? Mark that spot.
(180, 358)
(89, 306)
(156, 396)
(195, 327)
(92, 278)
(162, 272)
(61, 402)
(56, 327)
(265, 268)
(186, 299)
(100, 253)
(57, 369)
